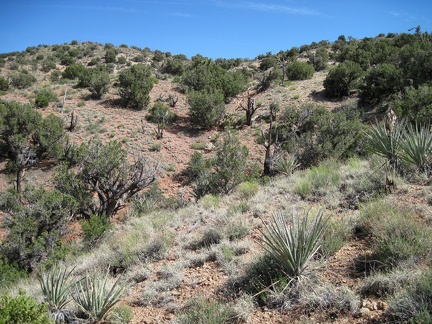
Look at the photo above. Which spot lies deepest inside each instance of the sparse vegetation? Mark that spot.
(242, 145)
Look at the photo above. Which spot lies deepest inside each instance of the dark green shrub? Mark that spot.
(313, 133)
(99, 84)
(342, 79)
(158, 56)
(66, 59)
(121, 60)
(22, 310)
(228, 63)
(384, 51)
(22, 80)
(380, 82)
(4, 84)
(162, 116)
(205, 75)
(139, 58)
(94, 61)
(266, 79)
(110, 55)
(173, 66)
(35, 228)
(74, 71)
(230, 164)
(9, 274)
(196, 166)
(25, 134)
(359, 52)
(299, 71)
(319, 59)
(13, 65)
(206, 109)
(94, 228)
(55, 76)
(49, 137)
(48, 65)
(160, 113)
(340, 135)
(44, 96)
(415, 104)
(416, 62)
(41, 101)
(135, 84)
(224, 172)
(73, 52)
(268, 62)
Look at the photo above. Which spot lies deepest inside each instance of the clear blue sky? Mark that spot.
(226, 28)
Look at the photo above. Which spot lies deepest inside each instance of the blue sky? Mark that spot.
(212, 28)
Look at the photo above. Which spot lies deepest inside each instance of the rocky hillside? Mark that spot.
(191, 246)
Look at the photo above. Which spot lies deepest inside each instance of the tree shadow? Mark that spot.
(320, 96)
(112, 103)
(182, 127)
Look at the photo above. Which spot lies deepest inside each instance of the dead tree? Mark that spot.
(283, 63)
(390, 120)
(64, 100)
(250, 108)
(271, 140)
(73, 122)
(160, 128)
(172, 100)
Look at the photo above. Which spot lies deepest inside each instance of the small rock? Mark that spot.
(382, 305)
(364, 311)
(209, 146)
(372, 306)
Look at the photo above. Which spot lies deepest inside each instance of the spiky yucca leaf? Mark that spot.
(416, 146)
(55, 286)
(293, 246)
(94, 296)
(385, 142)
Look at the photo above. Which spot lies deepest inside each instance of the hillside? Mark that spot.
(189, 246)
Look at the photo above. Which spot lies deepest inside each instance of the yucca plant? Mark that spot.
(416, 147)
(56, 290)
(95, 296)
(386, 142)
(286, 165)
(293, 245)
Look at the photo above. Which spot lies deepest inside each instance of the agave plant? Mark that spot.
(95, 296)
(56, 289)
(293, 245)
(416, 147)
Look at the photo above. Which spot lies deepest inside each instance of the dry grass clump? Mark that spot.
(384, 284)
(326, 296)
(396, 236)
(414, 303)
(201, 311)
